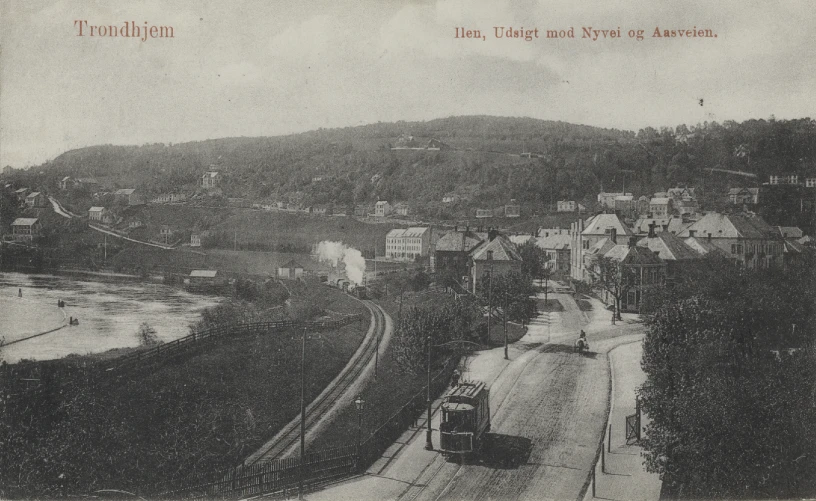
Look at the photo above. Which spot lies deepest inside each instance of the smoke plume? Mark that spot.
(338, 252)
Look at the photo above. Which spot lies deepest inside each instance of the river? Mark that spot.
(109, 313)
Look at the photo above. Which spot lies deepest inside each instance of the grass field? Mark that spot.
(196, 414)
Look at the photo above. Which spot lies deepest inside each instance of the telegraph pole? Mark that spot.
(428, 439)
(302, 414)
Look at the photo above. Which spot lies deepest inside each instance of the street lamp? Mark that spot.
(360, 404)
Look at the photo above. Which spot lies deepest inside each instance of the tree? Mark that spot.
(147, 335)
(730, 384)
(615, 278)
(533, 258)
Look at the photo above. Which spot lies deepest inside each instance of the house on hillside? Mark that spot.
(322, 210)
(96, 213)
(672, 224)
(497, 256)
(169, 198)
(450, 198)
(810, 182)
(570, 206)
(89, 184)
(784, 179)
(747, 239)
(484, 213)
(21, 194)
(382, 208)
(25, 229)
(292, 270)
(436, 145)
(743, 196)
(36, 199)
(402, 209)
(512, 209)
(195, 240)
(66, 182)
(362, 210)
(128, 196)
(210, 179)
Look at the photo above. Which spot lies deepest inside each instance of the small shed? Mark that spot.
(206, 278)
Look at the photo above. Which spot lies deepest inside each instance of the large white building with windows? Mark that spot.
(407, 244)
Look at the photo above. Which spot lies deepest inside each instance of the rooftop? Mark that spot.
(502, 249)
(24, 221)
(458, 241)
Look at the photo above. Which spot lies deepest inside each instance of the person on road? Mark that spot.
(455, 378)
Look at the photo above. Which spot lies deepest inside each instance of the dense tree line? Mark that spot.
(730, 361)
(356, 165)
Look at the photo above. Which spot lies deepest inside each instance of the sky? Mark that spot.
(261, 68)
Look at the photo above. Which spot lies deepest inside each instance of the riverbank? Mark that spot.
(109, 308)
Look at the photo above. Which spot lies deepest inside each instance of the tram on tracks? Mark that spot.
(465, 418)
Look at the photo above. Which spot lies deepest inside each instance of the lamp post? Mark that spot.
(489, 292)
(428, 439)
(360, 404)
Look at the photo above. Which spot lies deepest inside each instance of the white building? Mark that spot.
(382, 208)
(95, 213)
(407, 244)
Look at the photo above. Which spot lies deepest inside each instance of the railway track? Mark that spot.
(288, 438)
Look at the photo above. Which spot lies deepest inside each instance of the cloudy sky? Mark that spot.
(257, 67)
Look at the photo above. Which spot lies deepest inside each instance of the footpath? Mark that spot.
(623, 477)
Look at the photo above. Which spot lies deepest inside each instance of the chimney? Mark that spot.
(492, 234)
(692, 232)
(613, 235)
(652, 233)
(709, 236)
(632, 242)
(456, 228)
(665, 227)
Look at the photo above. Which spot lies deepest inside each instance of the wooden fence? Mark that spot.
(282, 475)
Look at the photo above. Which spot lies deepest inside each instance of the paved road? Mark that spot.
(549, 409)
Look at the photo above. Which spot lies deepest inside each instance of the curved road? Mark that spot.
(549, 409)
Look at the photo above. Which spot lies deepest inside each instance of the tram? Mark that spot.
(465, 418)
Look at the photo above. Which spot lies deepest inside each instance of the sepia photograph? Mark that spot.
(407, 250)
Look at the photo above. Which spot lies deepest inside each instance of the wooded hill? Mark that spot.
(484, 161)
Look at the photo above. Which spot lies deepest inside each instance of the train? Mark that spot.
(465, 418)
(345, 285)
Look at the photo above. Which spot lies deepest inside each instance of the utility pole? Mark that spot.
(302, 414)
(504, 321)
(428, 438)
(235, 241)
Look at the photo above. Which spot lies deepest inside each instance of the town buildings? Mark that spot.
(661, 206)
(671, 249)
(784, 179)
(607, 200)
(497, 256)
(484, 213)
(402, 209)
(747, 239)
(407, 244)
(169, 198)
(557, 248)
(640, 272)
(452, 254)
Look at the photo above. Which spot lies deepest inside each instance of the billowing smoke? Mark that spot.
(337, 252)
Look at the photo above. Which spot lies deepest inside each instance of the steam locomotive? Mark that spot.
(465, 418)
